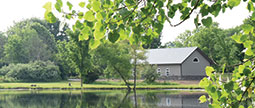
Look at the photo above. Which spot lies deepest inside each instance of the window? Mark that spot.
(168, 102)
(158, 71)
(195, 60)
(167, 72)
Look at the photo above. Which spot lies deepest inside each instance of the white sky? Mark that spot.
(17, 10)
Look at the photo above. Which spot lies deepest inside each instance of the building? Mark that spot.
(179, 63)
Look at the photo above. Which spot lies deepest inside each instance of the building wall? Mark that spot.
(189, 68)
(174, 69)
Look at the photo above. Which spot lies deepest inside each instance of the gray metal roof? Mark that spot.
(169, 55)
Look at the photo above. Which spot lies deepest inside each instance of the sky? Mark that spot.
(16, 10)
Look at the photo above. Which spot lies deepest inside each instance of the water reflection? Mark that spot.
(100, 99)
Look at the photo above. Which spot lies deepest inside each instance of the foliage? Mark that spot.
(137, 58)
(148, 73)
(78, 54)
(154, 44)
(183, 40)
(3, 40)
(37, 71)
(238, 91)
(116, 59)
(27, 42)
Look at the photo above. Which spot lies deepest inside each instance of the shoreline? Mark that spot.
(112, 88)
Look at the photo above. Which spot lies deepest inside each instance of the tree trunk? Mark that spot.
(81, 82)
(135, 60)
(122, 77)
(135, 75)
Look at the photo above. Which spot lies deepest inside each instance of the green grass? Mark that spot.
(131, 83)
(96, 85)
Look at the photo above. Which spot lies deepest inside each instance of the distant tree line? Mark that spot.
(35, 50)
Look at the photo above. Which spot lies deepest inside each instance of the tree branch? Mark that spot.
(185, 17)
(253, 79)
(148, 13)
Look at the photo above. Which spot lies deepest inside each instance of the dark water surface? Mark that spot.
(100, 99)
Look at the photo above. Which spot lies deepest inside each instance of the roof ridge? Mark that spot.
(171, 48)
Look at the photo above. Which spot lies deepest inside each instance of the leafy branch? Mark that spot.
(187, 17)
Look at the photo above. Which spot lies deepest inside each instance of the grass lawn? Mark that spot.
(96, 85)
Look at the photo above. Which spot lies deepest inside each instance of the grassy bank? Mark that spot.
(96, 85)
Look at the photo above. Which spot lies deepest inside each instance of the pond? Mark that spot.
(100, 99)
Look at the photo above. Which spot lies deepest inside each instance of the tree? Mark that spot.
(154, 44)
(138, 58)
(183, 40)
(57, 29)
(29, 42)
(3, 40)
(117, 59)
(79, 54)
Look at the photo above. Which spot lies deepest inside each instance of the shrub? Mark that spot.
(35, 71)
(149, 73)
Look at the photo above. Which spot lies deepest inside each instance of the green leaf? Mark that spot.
(82, 4)
(247, 28)
(80, 15)
(96, 5)
(50, 17)
(113, 36)
(204, 83)
(249, 52)
(58, 5)
(97, 25)
(47, 6)
(207, 22)
(237, 37)
(123, 34)
(229, 86)
(98, 34)
(204, 10)
(233, 3)
(248, 44)
(241, 106)
(250, 6)
(70, 6)
(209, 70)
(84, 35)
(149, 31)
(99, 16)
(202, 99)
(89, 16)
(93, 44)
(241, 68)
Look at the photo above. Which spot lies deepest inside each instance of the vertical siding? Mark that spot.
(174, 69)
(189, 68)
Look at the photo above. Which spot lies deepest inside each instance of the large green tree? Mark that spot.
(29, 42)
(79, 54)
(116, 58)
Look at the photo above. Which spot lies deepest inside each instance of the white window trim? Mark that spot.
(194, 59)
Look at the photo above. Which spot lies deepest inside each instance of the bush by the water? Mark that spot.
(38, 71)
(149, 73)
